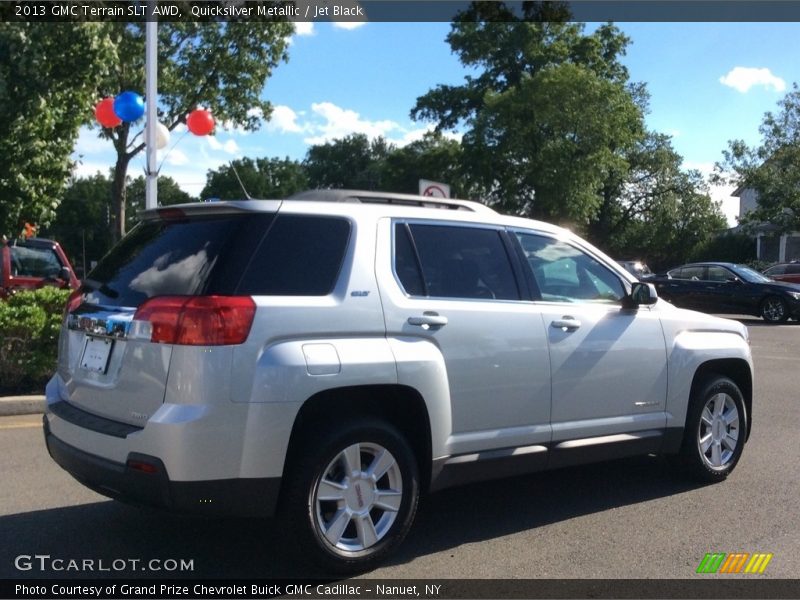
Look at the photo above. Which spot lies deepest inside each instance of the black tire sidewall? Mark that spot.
(785, 309)
(690, 452)
(319, 450)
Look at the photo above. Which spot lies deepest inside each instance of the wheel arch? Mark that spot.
(736, 369)
(401, 406)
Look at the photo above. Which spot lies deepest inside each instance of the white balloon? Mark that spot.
(162, 135)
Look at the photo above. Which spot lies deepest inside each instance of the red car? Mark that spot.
(789, 272)
(33, 263)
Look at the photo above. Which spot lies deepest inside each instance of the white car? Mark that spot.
(334, 355)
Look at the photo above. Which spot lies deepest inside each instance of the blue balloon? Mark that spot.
(129, 106)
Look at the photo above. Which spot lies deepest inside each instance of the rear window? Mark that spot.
(252, 254)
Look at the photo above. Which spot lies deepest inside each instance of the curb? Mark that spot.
(21, 405)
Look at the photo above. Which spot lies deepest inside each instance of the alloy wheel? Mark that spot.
(718, 431)
(357, 497)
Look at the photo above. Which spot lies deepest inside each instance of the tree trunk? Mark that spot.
(118, 198)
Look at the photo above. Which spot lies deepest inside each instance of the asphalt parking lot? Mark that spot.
(627, 519)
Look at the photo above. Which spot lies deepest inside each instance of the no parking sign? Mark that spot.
(434, 189)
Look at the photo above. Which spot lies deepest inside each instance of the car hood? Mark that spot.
(780, 286)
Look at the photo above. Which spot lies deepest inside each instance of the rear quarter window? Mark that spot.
(300, 256)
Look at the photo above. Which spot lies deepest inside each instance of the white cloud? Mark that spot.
(304, 28)
(705, 167)
(743, 78)
(176, 158)
(89, 142)
(414, 135)
(340, 122)
(283, 120)
(229, 147)
(349, 25)
(90, 168)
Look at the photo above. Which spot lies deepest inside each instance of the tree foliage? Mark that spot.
(434, 157)
(81, 221)
(169, 192)
(772, 168)
(262, 178)
(352, 162)
(48, 79)
(220, 66)
(548, 115)
(82, 218)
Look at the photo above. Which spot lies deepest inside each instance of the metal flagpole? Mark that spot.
(151, 93)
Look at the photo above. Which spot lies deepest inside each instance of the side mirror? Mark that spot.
(642, 294)
(734, 280)
(64, 274)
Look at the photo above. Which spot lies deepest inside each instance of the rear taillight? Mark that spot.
(195, 320)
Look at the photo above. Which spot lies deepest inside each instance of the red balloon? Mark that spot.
(200, 122)
(105, 115)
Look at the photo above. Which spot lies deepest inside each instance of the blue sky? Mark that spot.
(709, 83)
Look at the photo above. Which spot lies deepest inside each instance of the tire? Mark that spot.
(716, 430)
(365, 516)
(774, 310)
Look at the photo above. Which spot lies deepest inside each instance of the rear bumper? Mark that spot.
(251, 497)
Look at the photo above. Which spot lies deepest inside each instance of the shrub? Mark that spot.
(29, 326)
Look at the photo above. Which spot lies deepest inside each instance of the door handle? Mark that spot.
(428, 320)
(566, 323)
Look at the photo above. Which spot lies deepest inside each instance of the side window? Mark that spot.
(776, 270)
(405, 262)
(691, 273)
(793, 269)
(34, 262)
(564, 273)
(301, 256)
(463, 262)
(719, 274)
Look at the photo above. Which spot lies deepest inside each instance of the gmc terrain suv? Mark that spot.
(334, 355)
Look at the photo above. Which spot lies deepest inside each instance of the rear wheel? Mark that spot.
(352, 494)
(774, 309)
(716, 428)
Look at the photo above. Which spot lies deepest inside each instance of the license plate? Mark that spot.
(96, 353)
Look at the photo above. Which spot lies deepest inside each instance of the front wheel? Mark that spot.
(716, 428)
(352, 494)
(774, 310)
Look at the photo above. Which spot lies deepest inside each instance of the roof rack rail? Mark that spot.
(372, 197)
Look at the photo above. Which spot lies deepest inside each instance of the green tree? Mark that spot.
(169, 192)
(548, 115)
(674, 228)
(81, 221)
(352, 162)
(221, 66)
(434, 157)
(648, 190)
(772, 168)
(262, 178)
(49, 74)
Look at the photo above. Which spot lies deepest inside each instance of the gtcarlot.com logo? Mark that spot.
(45, 562)
(737, 562)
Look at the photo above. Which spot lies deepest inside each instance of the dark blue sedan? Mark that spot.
(717, 287)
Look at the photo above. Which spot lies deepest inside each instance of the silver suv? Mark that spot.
(334, 355)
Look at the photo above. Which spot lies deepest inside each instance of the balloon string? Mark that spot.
(161, 164)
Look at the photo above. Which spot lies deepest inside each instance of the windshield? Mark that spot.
(749, 275)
